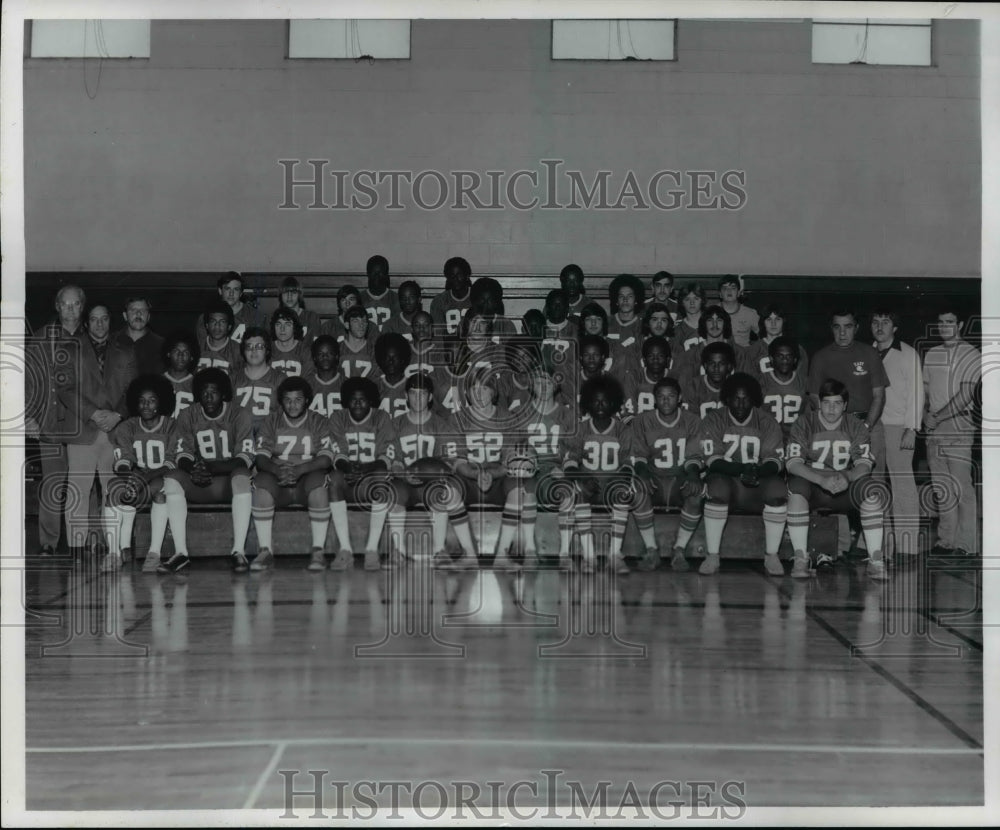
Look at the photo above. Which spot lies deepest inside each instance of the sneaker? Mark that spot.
(650, 560)
(175, 564)
(151, 563)
(876, 570)
(800, 565)
(824, 563)
(110, 561)
(502, 562)
(773, 566)
(678, 562)
(710, 565)
(372, 562)
(317, 560)
(442, 561)
(46, 550)
(263, 561)
(342, 561)
(586, 565)
(239, 563)
(128, 555)
(394, 561)
(616, 564)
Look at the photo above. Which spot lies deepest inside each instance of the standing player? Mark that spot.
(294, 451)
(448, 307)
(409, 304)
(214, 458)
(784, 386)
(742, 447)
(325, 377)
(560, 332)
(597, 460)
(357, 348)
(392, 356)
(347, 297)
(425, 351)
(144, 449)
(230, 287)
(363, 434)
(290, 297)
(180, 356)
(255, 385)
(571, 281)
(661, 440)
(662, 287)
(289, 352)
(627, 297)
(704, 390)
(692, 301)
(219, 349)
(378, 299)
(829, 465)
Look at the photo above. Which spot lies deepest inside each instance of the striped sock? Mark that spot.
(715, 522)
(688, 525)
(263, 517)
(798, 529)
(319, 524)
(774, 526)
(871, 525)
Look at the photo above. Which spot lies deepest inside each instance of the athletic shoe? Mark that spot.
(128, 555)
(800, 565)
(586, 565)
(616, 564)
(151, 563)
(371, 560)
(46, 550)
(678, 562)
(394, 561)
(262, 561)
(239, 563)
(502, 562)
(650, 560)
(110, 562)
(710, 565)
(175, 564)
(876, 569)
(342, 561)
(824, 562)
(317, 560)
(772, 564)
(442, 560)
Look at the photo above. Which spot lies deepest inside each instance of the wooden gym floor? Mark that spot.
(219, 691)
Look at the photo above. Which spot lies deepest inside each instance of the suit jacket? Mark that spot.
(148, 350)
(50, 357)
(91, 389)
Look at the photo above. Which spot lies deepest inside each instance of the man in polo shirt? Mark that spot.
(951, 374)
(904, 409)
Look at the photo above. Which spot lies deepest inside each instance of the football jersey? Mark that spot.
(664, 444)
(359, 362)
(755, 442)
(326, 393)
(183, 392)
(398, 324)
(597, 450)
(822, 448)
(625, 335)
(446, 311)
(295, 442)
(393, 395)
(293, 362)
(480, 439)
(449, 390)
(147, 449)
(381, 308)
(639, 388)
(700, 397)
(259, 397)
(411, 442)
(756, 360)
(229, 358)
(362, 441)
(786, 400)
(426, 360)
(227, 435)
(548, 432)
(312, 324)
(246, 316)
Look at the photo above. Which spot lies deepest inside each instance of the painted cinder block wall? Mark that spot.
(173, 164)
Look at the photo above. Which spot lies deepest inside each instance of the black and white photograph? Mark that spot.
(499, 414)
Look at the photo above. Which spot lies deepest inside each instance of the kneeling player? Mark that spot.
(144, 447)
(742, 447)
(829, 465)
(295, 449)
(359, 466)
(214, 457)
(660, 442)
(597, 460)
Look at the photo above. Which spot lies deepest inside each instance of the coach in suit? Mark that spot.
(95, 403)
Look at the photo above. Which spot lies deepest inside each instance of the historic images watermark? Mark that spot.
(309, 184)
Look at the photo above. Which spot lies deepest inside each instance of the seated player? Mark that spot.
(290, 297)
(627, 296)
(661, 441)
(829, 464)
(325, 377)
(755, 358)
(742, 449)
(784, 387)
(401, 322)
(295, 450)
(378, 299)
(657, 321)
(560, 334)
(448, 307)
(180, 356)
(597, 461)
(421, 475)
(289, 352)
(347, 297)
(255, 385)
(219, 350)
(214, 458)
(662, 287)
(392, 356)
(656, 365)
(357, 348)
(703, 392)
(692, 301)
(144, 449)
(363, 434)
